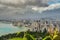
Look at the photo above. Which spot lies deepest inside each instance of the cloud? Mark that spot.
(50, 7)
(16, 13)
(16, 9)
(24, 3)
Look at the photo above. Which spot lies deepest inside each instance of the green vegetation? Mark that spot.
(16, 39)
(31, 36)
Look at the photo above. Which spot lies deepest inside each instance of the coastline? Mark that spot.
(8, 28)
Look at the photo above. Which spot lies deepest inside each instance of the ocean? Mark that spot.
(8, 28)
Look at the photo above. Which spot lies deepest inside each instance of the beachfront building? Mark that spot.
(34, 26)
(18, 24)
(40, 26)
(37, 25)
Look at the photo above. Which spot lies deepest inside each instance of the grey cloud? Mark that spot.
(11, 14)
(9, 10)
(24, 3)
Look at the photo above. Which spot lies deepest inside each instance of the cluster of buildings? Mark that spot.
(39, 25)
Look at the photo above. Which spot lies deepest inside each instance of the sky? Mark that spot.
(53, 2)
(17, 9)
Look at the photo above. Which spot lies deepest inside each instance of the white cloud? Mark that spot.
(51, 7)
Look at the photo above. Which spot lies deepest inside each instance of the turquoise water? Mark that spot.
(8, 28)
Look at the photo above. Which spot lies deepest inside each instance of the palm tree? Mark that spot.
(25, 34)
(52, 37)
